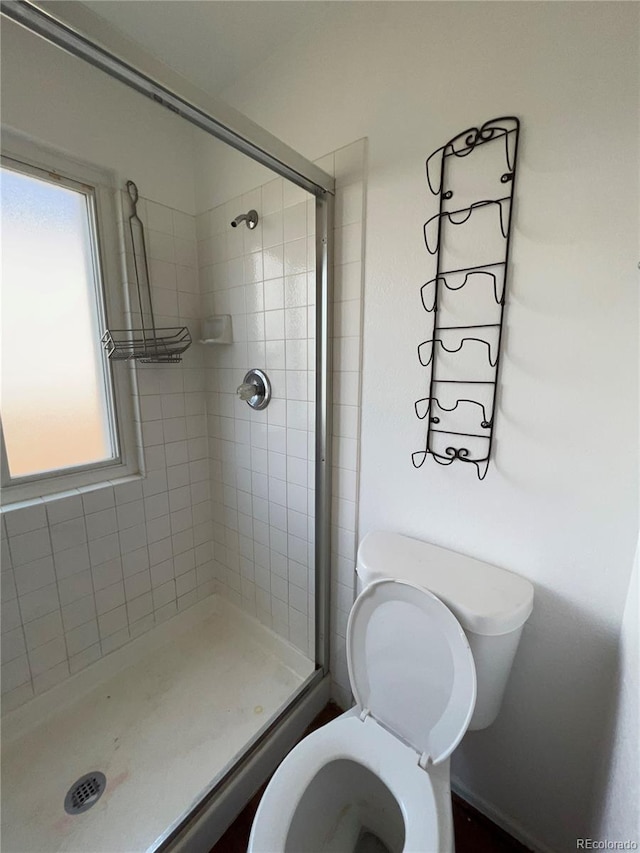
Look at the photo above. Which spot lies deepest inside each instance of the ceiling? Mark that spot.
(212, 42)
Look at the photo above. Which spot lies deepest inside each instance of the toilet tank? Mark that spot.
(490, 603)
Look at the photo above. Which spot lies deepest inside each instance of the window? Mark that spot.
(59, 402)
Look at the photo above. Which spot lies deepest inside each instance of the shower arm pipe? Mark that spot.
(82, 33)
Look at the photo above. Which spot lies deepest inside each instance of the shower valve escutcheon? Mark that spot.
(255, 389)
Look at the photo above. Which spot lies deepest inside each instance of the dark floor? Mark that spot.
(474, 833)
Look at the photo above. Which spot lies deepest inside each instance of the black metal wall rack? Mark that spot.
(467, 299)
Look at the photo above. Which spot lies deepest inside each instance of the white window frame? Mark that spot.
(30, 158)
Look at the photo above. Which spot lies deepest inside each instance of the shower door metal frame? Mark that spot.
(81, 33)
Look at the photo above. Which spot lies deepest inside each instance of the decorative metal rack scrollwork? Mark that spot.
(453, 339)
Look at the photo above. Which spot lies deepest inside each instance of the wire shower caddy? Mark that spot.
(147, 344)
(460, 427)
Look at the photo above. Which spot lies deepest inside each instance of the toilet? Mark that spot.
(430, 643)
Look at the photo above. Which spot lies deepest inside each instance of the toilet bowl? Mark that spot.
(376, 780)
(351, 783)
(364, 782)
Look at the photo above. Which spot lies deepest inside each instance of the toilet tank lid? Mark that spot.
(484, 598)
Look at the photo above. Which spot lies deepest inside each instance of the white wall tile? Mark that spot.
(139, 607)
(129, 491)
(33, 605)
(159, 552)
(130, 514)
(28, 547)
(15, 673)
(63, 507)
(99, 524)
(159, 217)
(35, 575)
(71, 561)
(12, 699)
(136, 585)
(51, 677)
(75, 587)
(158, 528)
(5, 553)
(78, 612)
(295, 221)
(349, 164)
(274, 325)
(43, 630)
(132, 538)
(273, 262)
(96, 498)
(104, 549)
(13, 644)
(112, 622)
(68, 534)
(161, 573)
(47, 656)
(272, 196)
(164, 594)
(295, 323)
(295, 257)
(10, 618)
(115, 640)
(109, 598)
(24, 518)
(106, 574)
(165, 612)
(84, 658)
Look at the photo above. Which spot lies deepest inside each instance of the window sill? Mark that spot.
(14, 502)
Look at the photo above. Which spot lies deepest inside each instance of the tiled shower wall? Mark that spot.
(85, 572)
(263, 462)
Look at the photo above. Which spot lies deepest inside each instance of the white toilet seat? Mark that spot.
(411, 667)
(383, 769)
(370, 745)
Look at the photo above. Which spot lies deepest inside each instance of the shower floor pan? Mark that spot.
(160, 718)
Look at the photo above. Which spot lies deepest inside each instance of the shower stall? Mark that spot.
(168, 631)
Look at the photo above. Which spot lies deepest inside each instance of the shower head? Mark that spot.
(250, 218)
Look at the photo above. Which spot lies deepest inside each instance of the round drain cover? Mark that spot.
(85, 792)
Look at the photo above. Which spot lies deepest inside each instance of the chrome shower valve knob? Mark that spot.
(255, 389)
(247, 390)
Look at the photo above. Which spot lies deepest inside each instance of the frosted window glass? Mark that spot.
(54, 394)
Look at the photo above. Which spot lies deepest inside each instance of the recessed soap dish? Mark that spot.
(217, 330)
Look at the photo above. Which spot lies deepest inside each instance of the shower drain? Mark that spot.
(85, 792)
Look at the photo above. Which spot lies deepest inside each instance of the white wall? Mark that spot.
(215, 185)
(619, 782)
(559, 502)
(81, 111)
(619, 777)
